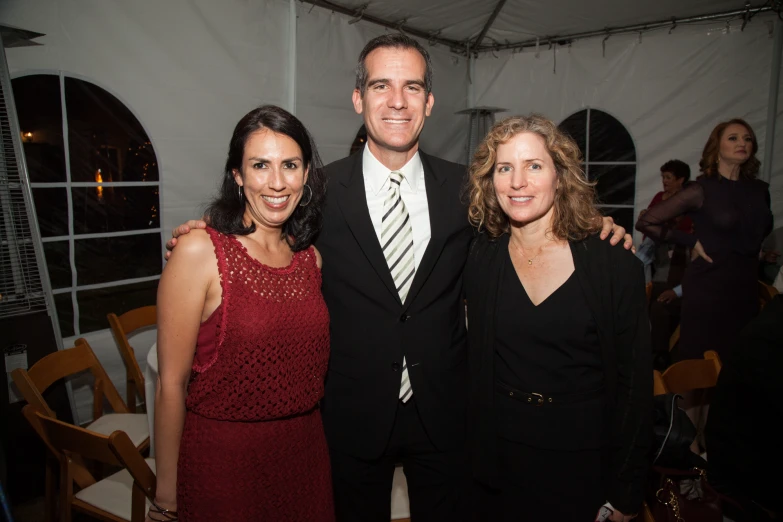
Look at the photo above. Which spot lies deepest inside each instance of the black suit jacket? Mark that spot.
(371, 330)
(612, 282)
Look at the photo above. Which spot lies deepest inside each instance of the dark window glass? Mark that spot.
(609, 141)
(616, 183)
(95, 304)
(576, 126)
(64, 307)
(51, 207)
(114, 209)
(115, 258)
(622, 216)
(58, 264)
(106, 142)
(39, 110)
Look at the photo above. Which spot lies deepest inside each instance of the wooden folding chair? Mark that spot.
(123, 326)
(691, 374)
(766, 293)
(675, 338)
(34, 382)
(120, 497)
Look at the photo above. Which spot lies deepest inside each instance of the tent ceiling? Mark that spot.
(522, 20)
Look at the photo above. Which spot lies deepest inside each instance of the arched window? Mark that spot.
(609, 158)
(94, 178)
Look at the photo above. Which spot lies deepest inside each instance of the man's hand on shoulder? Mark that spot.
(182, 230)
(608, 226)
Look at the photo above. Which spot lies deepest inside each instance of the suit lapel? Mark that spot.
(352, 199)
(438, 203)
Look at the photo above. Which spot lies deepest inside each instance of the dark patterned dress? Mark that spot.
(731, 219)
(253, 446)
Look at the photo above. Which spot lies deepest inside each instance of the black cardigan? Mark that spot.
(612, 280)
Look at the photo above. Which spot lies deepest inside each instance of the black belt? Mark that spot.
(540, 399)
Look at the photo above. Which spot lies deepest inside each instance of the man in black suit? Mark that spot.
(396, 386)
(394, 243)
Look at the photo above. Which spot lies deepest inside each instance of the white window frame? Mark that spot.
(586, 163)
(71, 237)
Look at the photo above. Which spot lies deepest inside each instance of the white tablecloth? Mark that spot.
(400, 506)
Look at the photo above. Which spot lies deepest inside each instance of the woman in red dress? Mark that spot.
(243, 341)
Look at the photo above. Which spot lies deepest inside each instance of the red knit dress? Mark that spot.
(253, 446)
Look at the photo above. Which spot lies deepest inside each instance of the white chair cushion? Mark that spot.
(134, 424)
(400, 506)
(113, 494)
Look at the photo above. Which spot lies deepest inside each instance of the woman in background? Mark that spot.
(243, 341)
(731, 216)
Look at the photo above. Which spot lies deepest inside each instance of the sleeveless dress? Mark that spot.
(253, 446)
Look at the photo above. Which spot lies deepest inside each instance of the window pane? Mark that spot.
(64, 313)
(106, 142)
(39, 110)
(616, 183)
(95, 304)
(51, 207)
(114, 209)
(576, 126)
(114, 258)
(622, 216)
(58, 263)
(609, 141)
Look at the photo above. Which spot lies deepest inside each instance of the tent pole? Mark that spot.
(772, 103)
(292, 57)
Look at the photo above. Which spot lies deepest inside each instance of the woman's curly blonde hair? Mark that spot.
(575, 215)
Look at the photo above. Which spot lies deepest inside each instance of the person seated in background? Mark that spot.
(769, 259)
(667, 262)
(742, 432)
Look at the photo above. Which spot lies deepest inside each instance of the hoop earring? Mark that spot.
(239, 191)
(308, 199)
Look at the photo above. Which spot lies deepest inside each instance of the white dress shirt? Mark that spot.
(412, 191)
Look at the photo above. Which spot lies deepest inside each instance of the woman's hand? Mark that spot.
(698, 251)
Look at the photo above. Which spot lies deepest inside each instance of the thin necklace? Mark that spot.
(524, 256)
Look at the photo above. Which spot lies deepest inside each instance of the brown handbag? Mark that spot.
(684, 496)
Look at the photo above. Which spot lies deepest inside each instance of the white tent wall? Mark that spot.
(187, 69)
(327, 51)
(669, 90)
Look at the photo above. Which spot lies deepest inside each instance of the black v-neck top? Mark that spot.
(550, 348)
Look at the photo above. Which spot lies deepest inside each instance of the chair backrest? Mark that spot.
(688, 375)
(659, 387)
(32, 383)
(766, 293)
(115, 449)
(122, 326)
(675, 338)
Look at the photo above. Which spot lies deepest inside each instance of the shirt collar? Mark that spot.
(376, 175)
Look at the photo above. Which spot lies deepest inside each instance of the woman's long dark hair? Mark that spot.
(226, 212)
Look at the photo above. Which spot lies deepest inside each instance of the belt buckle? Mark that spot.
(539, 398)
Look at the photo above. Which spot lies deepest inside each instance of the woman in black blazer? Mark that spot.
(559, 341)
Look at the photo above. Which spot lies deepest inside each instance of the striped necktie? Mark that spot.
(397, 243)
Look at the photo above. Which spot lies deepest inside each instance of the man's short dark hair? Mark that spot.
(679, 169)
(394, 41)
